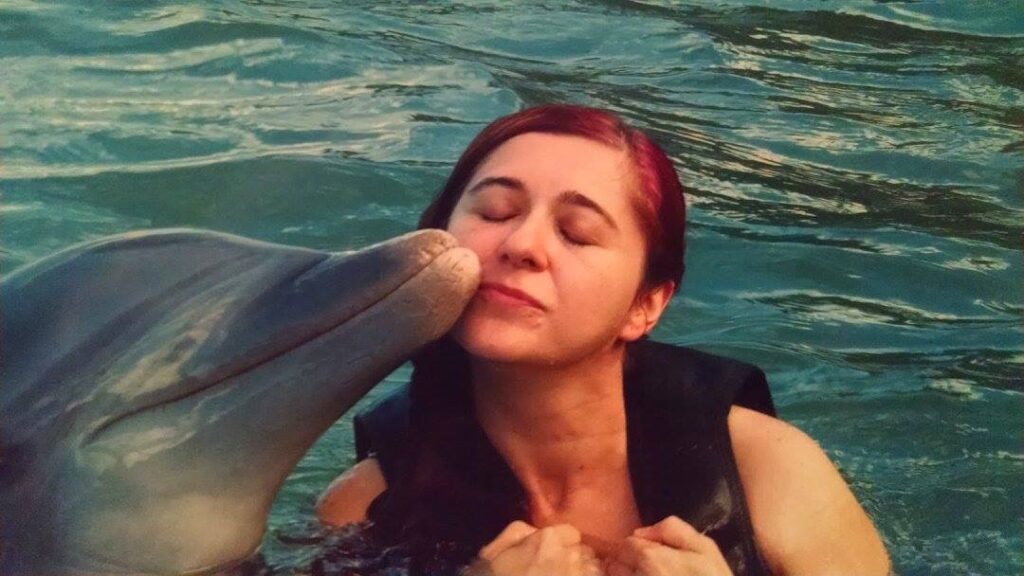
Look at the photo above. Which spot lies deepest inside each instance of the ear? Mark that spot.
(646, 311)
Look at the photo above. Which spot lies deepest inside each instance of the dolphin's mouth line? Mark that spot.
(248, 366)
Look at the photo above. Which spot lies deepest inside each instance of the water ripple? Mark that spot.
(818, 307)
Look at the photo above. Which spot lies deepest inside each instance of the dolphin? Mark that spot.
(156, 388)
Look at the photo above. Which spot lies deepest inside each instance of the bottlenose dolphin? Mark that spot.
(156, 388)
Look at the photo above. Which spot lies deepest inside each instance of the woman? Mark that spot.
(578, 221)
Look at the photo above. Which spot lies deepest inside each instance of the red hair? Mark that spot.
(658, 198)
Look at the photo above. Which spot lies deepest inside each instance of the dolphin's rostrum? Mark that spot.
(156, 388)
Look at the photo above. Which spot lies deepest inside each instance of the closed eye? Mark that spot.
(573, 237)
(494, 216)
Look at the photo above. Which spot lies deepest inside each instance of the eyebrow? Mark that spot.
(503, 181)
(567, 197)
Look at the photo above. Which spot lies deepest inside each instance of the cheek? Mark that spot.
(482, 238)
(611, 284)
(468, 235)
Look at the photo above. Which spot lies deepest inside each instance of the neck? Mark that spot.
(562, 429)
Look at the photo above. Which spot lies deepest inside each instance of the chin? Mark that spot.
(496, 342)
(489, 347)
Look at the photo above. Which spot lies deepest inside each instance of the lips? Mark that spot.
(509, 295)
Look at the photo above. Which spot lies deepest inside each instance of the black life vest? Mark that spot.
(680, 457)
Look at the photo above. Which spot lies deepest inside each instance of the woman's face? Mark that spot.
(560, 246)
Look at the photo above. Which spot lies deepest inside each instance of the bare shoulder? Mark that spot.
(348, 497)
(806, 520)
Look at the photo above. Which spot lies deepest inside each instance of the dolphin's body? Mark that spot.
(157, 388)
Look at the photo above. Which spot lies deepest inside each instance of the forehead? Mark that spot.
(556, 163)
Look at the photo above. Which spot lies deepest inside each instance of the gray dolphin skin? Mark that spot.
(157, 388)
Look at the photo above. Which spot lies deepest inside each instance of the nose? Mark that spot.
(524, 245)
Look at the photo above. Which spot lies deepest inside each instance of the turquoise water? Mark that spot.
(854, 173)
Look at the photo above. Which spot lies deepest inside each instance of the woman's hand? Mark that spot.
(669, 548)
(523, 550)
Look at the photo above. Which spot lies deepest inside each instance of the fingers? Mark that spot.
(586, 561)
(521, 543)
(631, 551)
(513, 534)
(673, 541)
(523, 549)
(581, 552)
(640, 556)
(678, 534)
(565, 534)
(552, 541)
(554, 537)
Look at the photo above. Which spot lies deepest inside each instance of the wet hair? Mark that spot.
(431, 509)
(657, 197)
